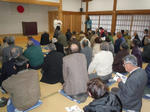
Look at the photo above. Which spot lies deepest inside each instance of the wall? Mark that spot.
(101, 5)
(11, 20)
(133, 4)
(71, 5)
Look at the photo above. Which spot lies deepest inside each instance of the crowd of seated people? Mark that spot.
(73, 59)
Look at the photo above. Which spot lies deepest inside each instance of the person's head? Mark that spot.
(51, 47)
(124, 45)
(68, 30)
(11, 41)
(135, 43)
(126, 32)
(135, 33)
(104, 46)
(30, 43)
(5, 39)
(107, 39)
(30, 37)
(146, 31)
(96, 89)
(14, 53)
(58, 28)
(130, 63)
(85, 43)
(21, 63)
(93, 32)
(122, 32)
(88, 18)
(119, 34)
(74, 48)
(98, 40)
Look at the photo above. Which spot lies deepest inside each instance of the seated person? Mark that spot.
(136, 51)
(34, 41)
(118, 63)
(8, 67)
(6, 51)
(75, 73)
(34, 55)
(23, 87)
(44, 39)
(52, 66)
(59, 47)
(102, 63)
(146, 51)
(103, 100)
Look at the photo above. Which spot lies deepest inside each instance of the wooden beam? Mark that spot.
(122, 12)
(100, 13)
(38, 2)
(114, 17)
(72, 13)
(60, 14)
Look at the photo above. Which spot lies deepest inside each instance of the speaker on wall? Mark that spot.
(81, 9)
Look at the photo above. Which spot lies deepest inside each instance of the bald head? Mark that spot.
(74, 48)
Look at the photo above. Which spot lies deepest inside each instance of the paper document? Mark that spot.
(74, 108)
(119, 75)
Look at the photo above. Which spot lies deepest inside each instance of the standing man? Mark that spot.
(88, 24)
(57, 22)
(130, 92)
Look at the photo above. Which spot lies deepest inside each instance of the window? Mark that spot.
(95, 22)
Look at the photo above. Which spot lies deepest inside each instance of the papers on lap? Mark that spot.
(74, 108)
(119, 75)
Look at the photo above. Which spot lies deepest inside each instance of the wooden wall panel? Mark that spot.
(51, 16)
(66, 22)
(76, 23)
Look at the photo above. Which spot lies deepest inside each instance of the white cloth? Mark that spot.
(96, 48)
(57, 23)
(101, 63)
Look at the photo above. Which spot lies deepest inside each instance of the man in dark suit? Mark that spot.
(52, 67)
(130, 92)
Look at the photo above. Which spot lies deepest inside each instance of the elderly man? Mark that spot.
(130, 92)
(52, 66)
(75, 73)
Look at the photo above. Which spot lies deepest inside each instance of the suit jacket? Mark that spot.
(137, 53)
(132, 91)
(6, 52)
(75, 74)
(24, 89)
(87, 51)
(118, 63)
(52, 68)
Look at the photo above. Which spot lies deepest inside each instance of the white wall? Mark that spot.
(133, 4)
(82, 23)
(101, 5)
(71, 5)
(11, 20)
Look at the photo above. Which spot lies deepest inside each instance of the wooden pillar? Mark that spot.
(87, 6)
(114, 17)
(60, 11)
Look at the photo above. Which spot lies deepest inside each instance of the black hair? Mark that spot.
(124, 45)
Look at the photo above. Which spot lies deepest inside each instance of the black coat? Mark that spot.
(108, 103)
(132, 91)
(146, 53)
(44, 39)
(59, 47)
(52, 68)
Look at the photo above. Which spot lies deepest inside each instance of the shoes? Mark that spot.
(3, 101)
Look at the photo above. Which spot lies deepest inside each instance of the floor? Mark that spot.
(53, 101)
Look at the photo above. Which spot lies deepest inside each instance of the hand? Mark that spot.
(119, 80)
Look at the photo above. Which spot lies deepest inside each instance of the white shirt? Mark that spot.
(102, 63)
(57, 23)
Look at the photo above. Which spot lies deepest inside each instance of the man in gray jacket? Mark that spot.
(130, 92)
(75, 73)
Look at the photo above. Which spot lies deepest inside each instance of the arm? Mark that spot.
(92, 65)
(8, 84)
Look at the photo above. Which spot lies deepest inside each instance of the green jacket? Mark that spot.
(35, 55)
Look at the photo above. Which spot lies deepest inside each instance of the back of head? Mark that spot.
(104, 46)
(15, 52)
(29, 38)
(119, 34)
(136, 42)
(74, 48)
(98, 40)
(130, 59)
(58, 28)
(85, 43)
(5, 39)
(21, 63)
(11, 40)
(51, 47)
(96, 88)
(146, 31)
(124, 45)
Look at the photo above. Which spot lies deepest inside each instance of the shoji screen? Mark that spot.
(140, 22)
(95, 22)
(123, 22)
(101, 21)
(105, 22)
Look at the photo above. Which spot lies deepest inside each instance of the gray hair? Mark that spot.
(11, 40)
(104, 46)
(51, 47)
(130, 59)
(15, 52)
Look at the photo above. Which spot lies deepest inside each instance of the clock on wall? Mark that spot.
(20, 8)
